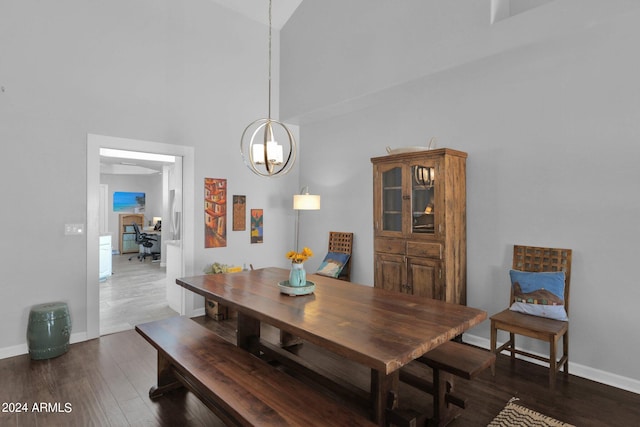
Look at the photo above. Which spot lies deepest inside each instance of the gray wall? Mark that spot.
(178, 72)
(547, 105)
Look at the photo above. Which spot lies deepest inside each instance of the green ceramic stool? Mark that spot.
(49, 330)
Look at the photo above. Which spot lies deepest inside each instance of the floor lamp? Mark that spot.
(304, 202)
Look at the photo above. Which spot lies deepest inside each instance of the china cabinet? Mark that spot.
(419, 212)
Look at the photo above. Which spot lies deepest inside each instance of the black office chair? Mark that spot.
(147, 243)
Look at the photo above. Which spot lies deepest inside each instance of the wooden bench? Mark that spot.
(238, 387)
(449, 358)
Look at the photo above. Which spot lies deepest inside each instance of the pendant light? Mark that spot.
(260, 150)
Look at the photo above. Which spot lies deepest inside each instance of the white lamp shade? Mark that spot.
(306, 202)
(275, 153)
(258, 154)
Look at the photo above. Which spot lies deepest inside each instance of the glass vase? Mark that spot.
(297, 275)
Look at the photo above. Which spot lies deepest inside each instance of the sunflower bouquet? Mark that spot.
(300, 257)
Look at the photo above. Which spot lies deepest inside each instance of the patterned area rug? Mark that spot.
(515, 415)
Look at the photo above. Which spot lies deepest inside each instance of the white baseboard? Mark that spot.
(15, 350)
(23, 348)
(78, 337)
(576, 369)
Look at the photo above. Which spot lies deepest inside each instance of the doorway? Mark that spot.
(135, 188)
(185, 242)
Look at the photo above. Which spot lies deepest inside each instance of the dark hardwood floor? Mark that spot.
(104, 382)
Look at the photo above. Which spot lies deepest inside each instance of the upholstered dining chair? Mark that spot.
(543, 323)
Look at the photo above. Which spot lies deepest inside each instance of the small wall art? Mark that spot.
(239, 213)
(125, 201)
(215, 213)
(256, 225)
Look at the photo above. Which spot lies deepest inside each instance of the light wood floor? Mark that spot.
(105, 382)
(135, 293)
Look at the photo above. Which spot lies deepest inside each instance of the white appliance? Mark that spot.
(105, 257)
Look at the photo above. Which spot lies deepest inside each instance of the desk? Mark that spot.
(157, 245)
(380, 329)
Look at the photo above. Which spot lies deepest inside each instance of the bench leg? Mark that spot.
(166, 379)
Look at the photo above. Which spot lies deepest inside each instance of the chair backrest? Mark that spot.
(343, 243)
(340, 242)
(537, 259)
(139, 237)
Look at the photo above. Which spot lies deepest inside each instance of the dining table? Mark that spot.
(380, 329)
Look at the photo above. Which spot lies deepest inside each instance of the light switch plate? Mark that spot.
(73, 229)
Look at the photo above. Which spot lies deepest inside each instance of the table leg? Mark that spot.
(381, 385)
(443, 413)
(248, 334)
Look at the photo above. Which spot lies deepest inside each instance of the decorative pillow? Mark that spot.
(540, 294)
(333, 264)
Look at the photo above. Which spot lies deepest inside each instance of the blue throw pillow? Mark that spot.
(540, 294)
(333, 264)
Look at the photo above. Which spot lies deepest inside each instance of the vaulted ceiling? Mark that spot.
(258, 10)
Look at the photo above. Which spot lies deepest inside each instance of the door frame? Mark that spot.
(94, 143)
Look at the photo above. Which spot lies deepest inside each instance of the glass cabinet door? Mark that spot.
(392, 199)
(423, 178)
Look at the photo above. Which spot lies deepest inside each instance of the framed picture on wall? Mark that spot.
(239, 213)
(128, 202)
(256, 225)
(215, 213)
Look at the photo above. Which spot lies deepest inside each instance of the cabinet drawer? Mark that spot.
(426, 250)
(390, 246)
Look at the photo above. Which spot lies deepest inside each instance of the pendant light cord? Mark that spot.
(269, 111)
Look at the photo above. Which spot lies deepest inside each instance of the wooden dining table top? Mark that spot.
(381, 329)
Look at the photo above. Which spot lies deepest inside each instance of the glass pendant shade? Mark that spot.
(262, 151)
